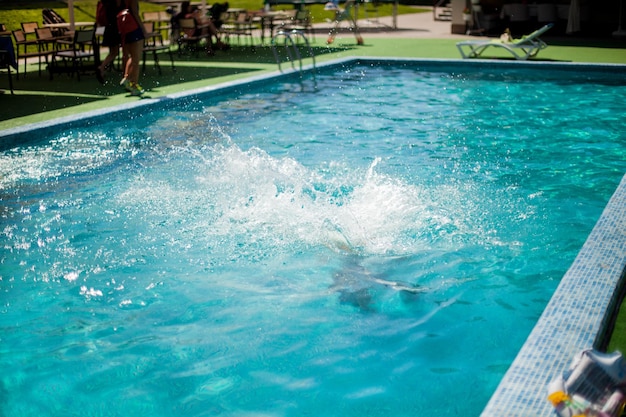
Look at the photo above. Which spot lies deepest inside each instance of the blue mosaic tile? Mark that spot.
(574, 319)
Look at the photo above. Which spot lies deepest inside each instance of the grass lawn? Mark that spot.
(618, 337)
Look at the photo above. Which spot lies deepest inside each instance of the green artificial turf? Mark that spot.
(618, 336)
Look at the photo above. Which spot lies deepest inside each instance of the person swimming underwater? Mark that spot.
(356, 284)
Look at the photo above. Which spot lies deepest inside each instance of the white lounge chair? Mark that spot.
(523, 48)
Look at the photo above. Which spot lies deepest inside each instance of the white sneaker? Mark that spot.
(136, 89)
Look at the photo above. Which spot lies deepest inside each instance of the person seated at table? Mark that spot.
(204, 26)
(185, 9)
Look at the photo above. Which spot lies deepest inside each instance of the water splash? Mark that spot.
(252, 200)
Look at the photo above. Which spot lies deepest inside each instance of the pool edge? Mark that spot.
(576, 317)
(11, 136)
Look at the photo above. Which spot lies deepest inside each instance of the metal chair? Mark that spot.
(301, 21)
(240, 25)
(29, 28)
(191, 36)
(24, 50)
(79, 50)
(154, 43)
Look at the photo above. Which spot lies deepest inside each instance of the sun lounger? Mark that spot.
(524, 48)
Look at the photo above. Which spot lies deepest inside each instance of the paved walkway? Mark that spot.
(417, 25)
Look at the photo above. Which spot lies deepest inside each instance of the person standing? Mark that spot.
(132, 48)
(111, 37)
(340, 16)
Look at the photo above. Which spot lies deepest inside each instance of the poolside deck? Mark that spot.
(417, 36)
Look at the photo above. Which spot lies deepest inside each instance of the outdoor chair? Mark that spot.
(160, 21)
(29, 28)
(523, 48)
(191, 42)
(28, 48)
(153, 43)
(164, 24)
(49, 16)
(240, 25)
(46, 39)
(7, 57)
(301, 21)
(80, 49)
(150, 17)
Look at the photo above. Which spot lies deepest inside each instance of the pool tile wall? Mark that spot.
(575, 318)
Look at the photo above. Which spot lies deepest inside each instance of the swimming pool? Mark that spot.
(366, 245)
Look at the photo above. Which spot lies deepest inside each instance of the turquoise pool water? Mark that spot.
(378, 245)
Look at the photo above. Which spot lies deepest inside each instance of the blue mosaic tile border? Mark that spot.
(574, 319)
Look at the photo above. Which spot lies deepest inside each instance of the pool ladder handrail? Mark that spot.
(292, 48)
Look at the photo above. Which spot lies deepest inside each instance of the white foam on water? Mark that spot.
(247, 196)
(67, 155)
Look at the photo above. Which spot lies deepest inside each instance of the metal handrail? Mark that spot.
(292, 48)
